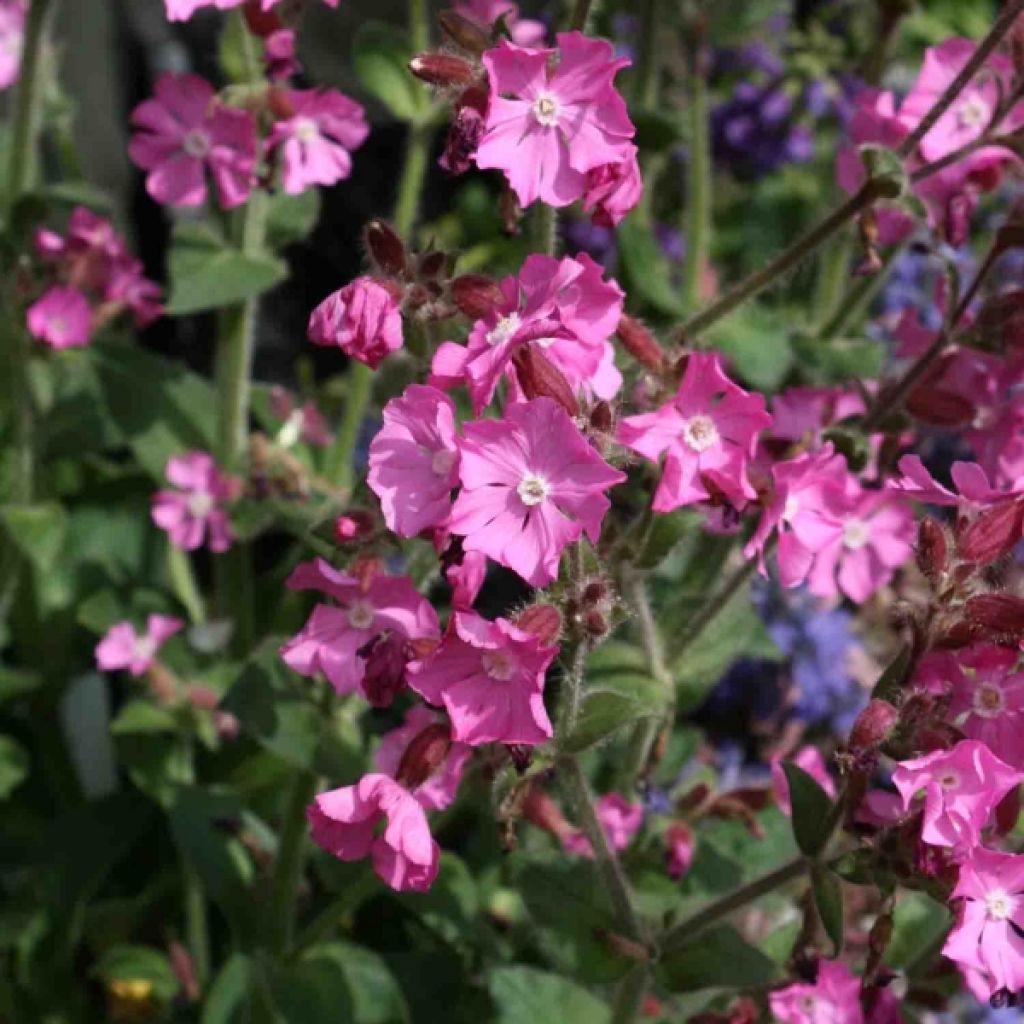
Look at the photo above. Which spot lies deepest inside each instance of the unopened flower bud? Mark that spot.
(424, 755)
(227, 725)
(475, 295)
(184, 970)
(355, 525)
(641, 344)
(442, 69)
(162, 683)
(386, 249)
(992, 534)
(202, 697)
(540, 378)
(595, 623)
(260, 22)
(1000, 614)
(932, 549)
(601, 418)
(540, 810)
(873, 726)
(544, 621)
(432, 264)
(464, 135)
(386, 657)
(464, 32)
(939, 408)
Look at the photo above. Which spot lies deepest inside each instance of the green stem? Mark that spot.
(184, 585)
(340, 468)
(854, 303)
(716, 604)
(581, 11)
(414, 172)
(645, 82)
(543, 229)
(288, 865)
(197, 936)
(698, 184)
(833, 273)
(629, 995)
(419, 25)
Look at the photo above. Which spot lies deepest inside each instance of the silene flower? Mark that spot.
(194, 512)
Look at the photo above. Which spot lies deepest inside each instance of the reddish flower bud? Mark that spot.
(601, 418)
(1000, 320)
(998, 614)
(355, 525)
(432, 264)
(540, 378)
(442, 69)
(227, 725)
(162, 683)
(540, 810)
(641, 344)
(260, 22)
(467, 128)
(386, 657)
(544, 621)
(939, 408)
(184, 970)
(595, 622)
(202, 697)
(386, 249)
(475, 295)
(992, 534)
(873, 726)
(594, 591)
(932, 549)
(424, 755)
(464, 32)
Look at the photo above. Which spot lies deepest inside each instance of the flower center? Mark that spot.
(791, 508)
(145, 648)
(533, 489)
(499, 665)
(988, 700)
(442, 461)
(306, 129)
(58, 325)
(856, 534)
(999, 904)
(503, 329)
(200, 504)
(545, 110)
(700, 433)
(196, 144)
(360, 614)
(973, 113)
(949, 780)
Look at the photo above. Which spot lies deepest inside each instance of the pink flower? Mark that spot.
(968, 478)
(185, 131)
(333, 639)
(12, 38)
(806, 508)
(620, 821)
(438, 791)
(316, 142)
(128, 287)
(834, 998)
(279, 55)
(182, 10)
(61, 318)
(363, 319)
(799, 414)
(961, 788)
(987, 701)
(531, 484)
(709, 431)
(877, 538)
(344, 823)
(414, 461)
(559, 124)
(524, 31)
(986, 938)
(810, 760)
(613, 189)
(680, 841)
(122, 647)
(490, 678)
(195, 512)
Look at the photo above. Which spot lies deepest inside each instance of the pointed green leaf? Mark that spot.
(813, 811)
(717, 958)
(828, 898)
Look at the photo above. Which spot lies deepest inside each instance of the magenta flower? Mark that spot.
(122, 647)
(344, 823)
(334, 640)
(414, 461)
(810, 760)
(800, 414)
(316, 142)
(194, 512)
(182, 10)
(987, 700)
(12, 38)
(128, 287)
(61, 318)
(877, 538)
(558, 124)
(438, 791)
(363, 319)
(969, 478)
(986, 938)
(613, 190)
(681, 845)
(834, 998)
(709, 432)
(531, 484)
(806, 508)
(490, 678)
(620, 820)
(961, 788)
(185, 131)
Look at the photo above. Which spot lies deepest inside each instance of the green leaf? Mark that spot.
(16, 682)
(891, 681)
(717, 958)
(142, 716)
(665, 532)
(13, 766)
(828, 898)
(229, 994)
(813, 817)
(291, 218)
(647, 269)
(381, 57)
(657, 130)
(139, 963)
(38, 531)
(524, 995)
(606, 711)
(918, 924)
(757, 340)
(206, 273)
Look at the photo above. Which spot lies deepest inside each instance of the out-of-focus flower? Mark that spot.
(61, 318)
(522, 31)
(182, 10)
(12, 38)
(195, 513)
(834, 997)
(619, 819)
(680, 841)
(122, 647)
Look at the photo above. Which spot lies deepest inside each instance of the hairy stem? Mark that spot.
(716, 603)
(645, 81)
(581, 11)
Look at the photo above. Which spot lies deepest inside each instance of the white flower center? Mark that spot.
(974, 112)
(503, 329)
(949, 779)
(546, 109)
(791, 508)
(533, 489)
(290, 433)
(499, 665)
(856, 534)
(999, 904)
(58, 325)
(989, 701)
(306, 129)
(145, 648)
(442, 461)
(360, 614)
(196, 144)
(700, 433)
(200, 504)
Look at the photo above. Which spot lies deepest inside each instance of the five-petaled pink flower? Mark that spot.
(987, 937)
(987, 700)
(708, 433)
(61, 318)
(183, 132)
(344, 823)
(12, 39)
(834, 998)
(122, 647)
(545, 129)
(317, 140)
(414, 460)
(363, 319)
(367, 607)
(961, 788)
(490, 678)
(810, 760)
(531, 484)
(619, 819)
(194, 512)
(438, 791)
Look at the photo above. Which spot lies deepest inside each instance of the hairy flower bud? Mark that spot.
(932, 549)
(442, 69)
(641, 344)
(386, 657)
(467, 128)
(601, 418)
(939, 408)
(999, 614)
(475, 295)
(992, 534)
(464, 32)
(540, 378)
(544, 621)
(424, 755)
(386, 249)
(873, 726)
(540, 810)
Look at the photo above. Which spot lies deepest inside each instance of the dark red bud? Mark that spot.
(431, 264)
(475, 295)
(873, 726)
(543, 621)
(202, 697)
(464, 32)
(540, 378)
(999, 614)
(1001, 317)
(386, 656)
(601, 418)
(932, 549)
(992, 534)
(540, 810)
(641, 344)
(594, 591)
(280, 105)
(260, 22)
(442, 69)
(162, 683)
(386, 249)
(595, 622)
(355, 525)
(424, 755)
(939, 408)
